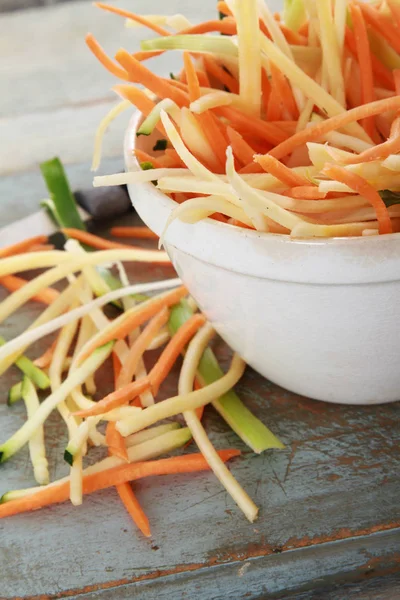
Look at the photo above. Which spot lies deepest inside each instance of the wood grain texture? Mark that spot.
(329, 525)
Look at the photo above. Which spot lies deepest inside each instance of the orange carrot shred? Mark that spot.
(105, 60)
(143, 312)
(134, 17)
(319, 129)
(140, 232)
(381, 72)
(223, 8)
(102, 244)
(362, 187)
(280, 171)
(191, 77)
(139, 99)
(117, 398)
(253, 126)
(132, 505)
(144, 157)
(141, 55)
(364, 61)
(381, 151)
(213, 68)
(13, 283)
(384, 27)
(141, 74)
(45, 359)
(140, 345)
(305, 192)
(23, 246)
(111, 477)
(173, 349)
(226, 26)
(240, 148)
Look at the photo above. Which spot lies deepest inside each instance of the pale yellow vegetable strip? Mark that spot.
(211, 100)
(392, 162)
(33, 335)
(318, 206)
(18, 298)
(75, 481)
(147, 450)
(150, 434)
(25, 261)
(161, 339)
(102, 128)
(340, 14)
(365, 213)
(37, 448)
(52, 311)
(186, 383)
(305, 115)
(194, 138)
(314, 230)
(309, 87)
(178, 404)
(190, 161)
(261, 202)
(380, 183)
(331, 51)
(136, 176)
(248, 35)
(346, 141)
(198, 186)
(196, 209)
(63, 343)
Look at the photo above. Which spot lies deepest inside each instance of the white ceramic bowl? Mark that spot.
(318, 317)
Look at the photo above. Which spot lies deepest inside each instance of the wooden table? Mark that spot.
(329, 519)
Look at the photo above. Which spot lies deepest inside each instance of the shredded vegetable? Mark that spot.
(323, 72)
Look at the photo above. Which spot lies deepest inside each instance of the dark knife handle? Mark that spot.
(104, 203)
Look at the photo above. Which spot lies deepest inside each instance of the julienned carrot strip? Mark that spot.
(396, 77)
(176, 83)
(23, 246)
(141, 232)
(141, 74)
(134, 508)
(260, 129)
(382, 151)
(117, 398)
(171, 159)
(305, 192)
(173, 349)
(362, 187)
(139, 346)
(251, 168)
(45, 359)
(275, 106)
(223, 8)
(214, 69)
(292, 37)
(137, 317)
(382, 73)
(214, 132)
(115, 442)
(225, 26)
(283, 93)
(134, 17)
(240, 148)
(41, 247)
(12, 283)
(144, 157)
(337, 122)
(105, 60)
(97, 242)
(141, 55)
(364, 61)
(139, 99)
(280, 171)
(157, 374)
(384, 27)
(203, 79)
(191, 77)
(111, 477)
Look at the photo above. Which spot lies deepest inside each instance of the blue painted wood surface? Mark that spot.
(329, 508)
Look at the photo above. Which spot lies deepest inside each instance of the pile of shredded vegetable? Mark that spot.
(284, 123)
(90, 323)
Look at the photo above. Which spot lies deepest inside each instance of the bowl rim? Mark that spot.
(132, 164)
